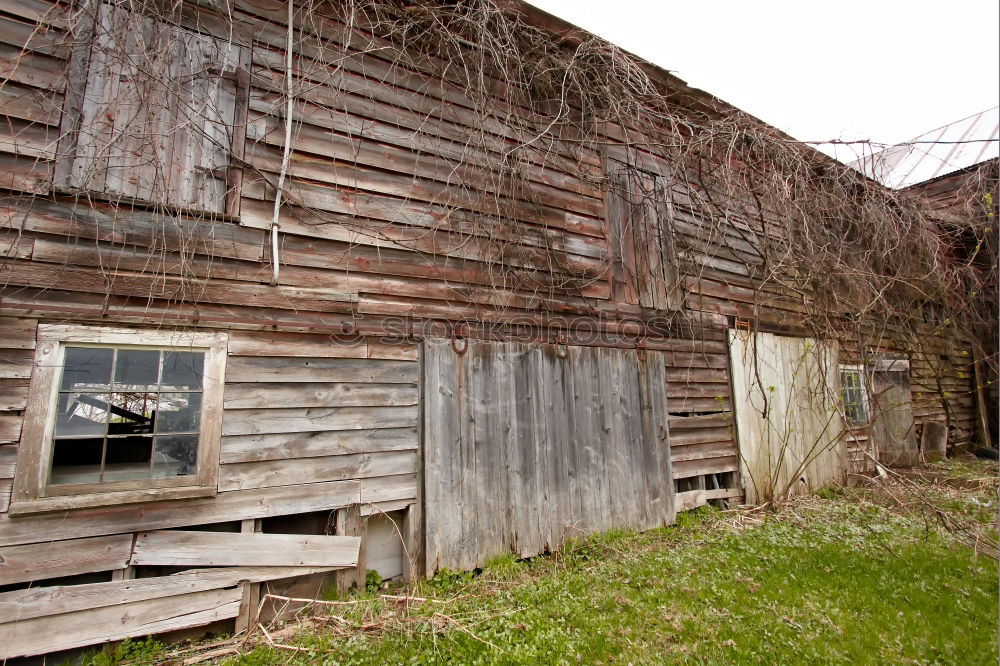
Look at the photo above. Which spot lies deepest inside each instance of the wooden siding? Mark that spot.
(278, 457)
(527, 445)
(387, 219)
(398, 220)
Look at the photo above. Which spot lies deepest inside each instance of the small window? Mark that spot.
(126, 413)
(854, 394)
(109, 415)
(644, 268)
(151, 113)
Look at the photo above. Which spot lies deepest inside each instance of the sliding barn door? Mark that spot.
(528, 444)
(786, 394)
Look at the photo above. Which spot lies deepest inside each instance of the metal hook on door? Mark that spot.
(459, 336)
(561, 350)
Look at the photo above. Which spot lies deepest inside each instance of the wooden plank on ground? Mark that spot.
(39, 561)
(187, 548)
(25, 604)
(111, 623)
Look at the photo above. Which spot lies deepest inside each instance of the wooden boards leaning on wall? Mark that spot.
(528, 444)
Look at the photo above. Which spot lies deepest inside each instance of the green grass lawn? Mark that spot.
(854, 576)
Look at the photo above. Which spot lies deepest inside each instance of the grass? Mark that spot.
(866, 575)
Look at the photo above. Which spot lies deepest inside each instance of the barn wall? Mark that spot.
(310, 426)
(388, 232)
(362, 241)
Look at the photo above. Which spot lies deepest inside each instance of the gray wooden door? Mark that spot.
(528, 444)
(893, 434)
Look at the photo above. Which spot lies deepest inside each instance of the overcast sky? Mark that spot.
(884, 70)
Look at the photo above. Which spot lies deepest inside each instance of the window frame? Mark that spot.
(626, 274)
(78, 74)
(865, 397)
(32, 490)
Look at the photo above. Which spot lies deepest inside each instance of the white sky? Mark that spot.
(885, 70)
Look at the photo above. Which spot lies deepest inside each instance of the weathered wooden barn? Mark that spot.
(299, 290)
(956, 170)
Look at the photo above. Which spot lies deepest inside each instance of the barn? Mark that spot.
(291, 291)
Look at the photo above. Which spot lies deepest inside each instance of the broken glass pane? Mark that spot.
(81, 414)
(179, 412)
(77, 460)
(175, 455)
(131, 413)
(127, 458)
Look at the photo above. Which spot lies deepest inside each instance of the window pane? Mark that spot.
(179, 412)
(131, 413)
(175, 455)
(87, 368)
(77, 460)
(182, 371)
(127, 458)
(81, 414)
(137, 369)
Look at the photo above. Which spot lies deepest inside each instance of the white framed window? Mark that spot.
(854, 394)
(120, 415)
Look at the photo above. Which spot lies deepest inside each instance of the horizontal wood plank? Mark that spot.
(39, 561)
(241, 476)
(254, 343)
(16, 363)
(13, 397)
(278, 395)
(687, 468)
(32, 602)
(10, 428)
(284, 446)
(111, 623)
(266, 369)
(243, 505)
(8, 459)
(308, 419)
(187, 548)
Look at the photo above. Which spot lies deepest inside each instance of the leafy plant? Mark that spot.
(130, 650)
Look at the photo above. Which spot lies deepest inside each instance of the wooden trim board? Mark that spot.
(38, 561)
(110, 623)
(183, 548)
(19, 605)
